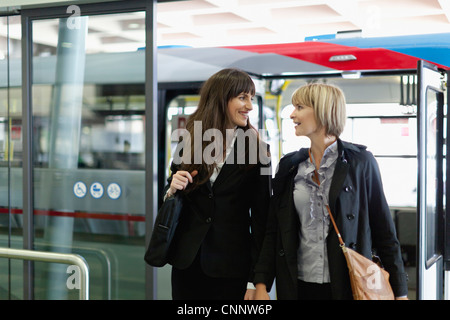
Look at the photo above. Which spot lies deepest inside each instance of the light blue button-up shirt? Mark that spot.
(310, 200)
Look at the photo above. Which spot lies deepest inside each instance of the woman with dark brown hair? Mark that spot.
(222, 170)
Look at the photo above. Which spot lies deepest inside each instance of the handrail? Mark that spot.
(105, 261)
(66, 258)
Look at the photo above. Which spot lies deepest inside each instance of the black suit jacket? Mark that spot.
(362, 215)
(224, 223)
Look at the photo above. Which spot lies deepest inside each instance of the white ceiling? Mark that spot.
(236, 22)
(201, 23)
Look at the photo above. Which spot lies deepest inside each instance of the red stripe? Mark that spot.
(321, 52)
(85, 215)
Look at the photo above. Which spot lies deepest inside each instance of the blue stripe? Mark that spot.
(431, 47)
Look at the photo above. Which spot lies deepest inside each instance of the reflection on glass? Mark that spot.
(89, 159)
(431, 176)
(11, 271)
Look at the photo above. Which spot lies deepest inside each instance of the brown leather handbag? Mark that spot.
(369, 281)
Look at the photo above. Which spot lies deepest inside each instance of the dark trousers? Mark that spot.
(193, 284)
(313, 291)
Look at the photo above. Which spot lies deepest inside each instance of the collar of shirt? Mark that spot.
(329, 156)
(306, 169)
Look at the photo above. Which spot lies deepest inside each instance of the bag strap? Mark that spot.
(341, 242)
(316, 179)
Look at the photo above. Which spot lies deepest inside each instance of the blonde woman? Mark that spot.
(300, 249)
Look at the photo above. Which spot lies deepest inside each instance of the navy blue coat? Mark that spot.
(362, 215)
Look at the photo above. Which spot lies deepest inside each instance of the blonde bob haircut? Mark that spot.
(328, 103)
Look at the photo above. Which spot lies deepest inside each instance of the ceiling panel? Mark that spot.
(209, 23)
(302, 13)
(249, 32)
(217, 18)
(177, 6)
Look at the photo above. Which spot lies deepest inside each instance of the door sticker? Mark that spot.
(79, 189)
(96, 190)
(114, 191)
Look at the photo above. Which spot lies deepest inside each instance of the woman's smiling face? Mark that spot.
(238, 110)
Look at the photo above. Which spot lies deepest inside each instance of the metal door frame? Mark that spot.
(429, 266)
(446, 239)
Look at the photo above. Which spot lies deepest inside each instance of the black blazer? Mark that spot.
(224, 223)
(362, 215)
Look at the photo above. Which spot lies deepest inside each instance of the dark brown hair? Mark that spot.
(212, 112)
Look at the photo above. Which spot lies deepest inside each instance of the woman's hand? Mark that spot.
(261, 292)
(250, 294)
(180, 181)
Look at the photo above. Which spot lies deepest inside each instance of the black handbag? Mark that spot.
(163, 230)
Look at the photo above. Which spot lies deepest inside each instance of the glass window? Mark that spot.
(431, 149)
(393, 141)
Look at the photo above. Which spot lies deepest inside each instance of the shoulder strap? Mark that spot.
(341, 242)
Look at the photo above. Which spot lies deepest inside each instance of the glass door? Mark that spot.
(430, 220)
(88, 149)
(10, 155)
